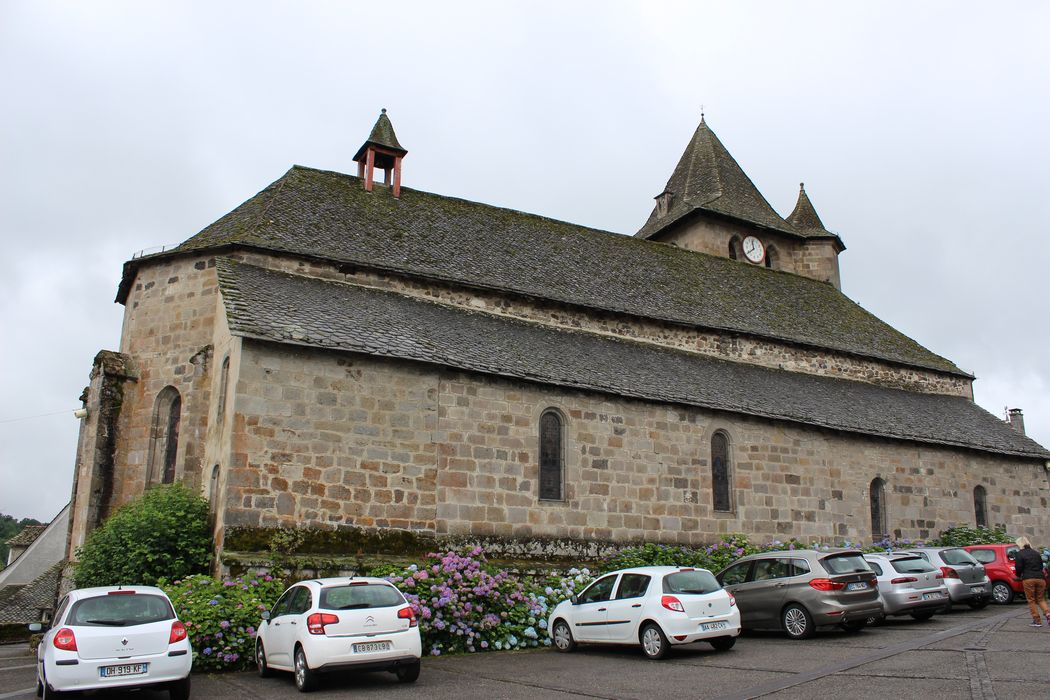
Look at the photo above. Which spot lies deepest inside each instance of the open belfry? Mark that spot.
(343, 351)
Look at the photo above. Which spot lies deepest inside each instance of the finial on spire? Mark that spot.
(701, 113)
(802, 186)
(383, 110)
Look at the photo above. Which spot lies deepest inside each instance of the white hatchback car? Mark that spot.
(654, 606)
(114, 637)
(339, 624)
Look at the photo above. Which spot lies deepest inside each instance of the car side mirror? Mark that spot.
(574, 599)
(1011, 556)
(266, 616)
(36, 627)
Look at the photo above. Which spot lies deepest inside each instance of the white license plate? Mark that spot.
(931, 596)
(125, 670)
(858, 586)
(976, 589)
(709, 626)
(369, 647)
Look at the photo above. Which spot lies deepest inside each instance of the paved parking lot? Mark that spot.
(981, 655)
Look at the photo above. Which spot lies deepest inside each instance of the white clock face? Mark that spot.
(753, 249)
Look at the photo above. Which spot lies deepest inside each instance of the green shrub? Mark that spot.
(962, 536)
(221, 617)
(163, 534)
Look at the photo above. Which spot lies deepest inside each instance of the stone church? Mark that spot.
(344, 352)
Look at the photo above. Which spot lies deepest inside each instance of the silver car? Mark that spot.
(964, 576)
(798, 591)
(909, 585)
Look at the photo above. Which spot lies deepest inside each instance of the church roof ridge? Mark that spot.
(294, 309)
(708, 178)
(327, 215)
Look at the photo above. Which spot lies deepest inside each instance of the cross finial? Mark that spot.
(701, 112)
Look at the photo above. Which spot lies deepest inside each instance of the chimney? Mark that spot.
(1016, 420)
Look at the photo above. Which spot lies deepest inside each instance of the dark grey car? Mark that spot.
(798, 591)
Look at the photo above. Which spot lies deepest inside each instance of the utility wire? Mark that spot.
(42, 415)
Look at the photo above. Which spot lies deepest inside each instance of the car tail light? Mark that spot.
(672, 603)
(732, 600)
(949, 572)
(905, 579)
(826, 584)
(65, 639)
(121, 592)
(178, 632)
(408, 614)
(316, 622)
(687, 569)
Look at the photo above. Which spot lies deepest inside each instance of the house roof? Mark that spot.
(330, 216)
(804, 217)
(707, 178)
(284, 308)
(27, 603)
(27, 536)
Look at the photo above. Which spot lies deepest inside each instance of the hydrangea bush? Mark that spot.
(221, 617)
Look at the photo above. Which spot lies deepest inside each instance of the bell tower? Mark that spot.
(383, 151)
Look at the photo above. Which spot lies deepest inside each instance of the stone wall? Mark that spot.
(729, 346)
(324, 439)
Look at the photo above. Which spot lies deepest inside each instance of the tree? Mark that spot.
(162, 534)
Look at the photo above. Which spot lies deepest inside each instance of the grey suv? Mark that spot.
(800, 590)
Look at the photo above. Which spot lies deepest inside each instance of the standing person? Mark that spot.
(1029, 567)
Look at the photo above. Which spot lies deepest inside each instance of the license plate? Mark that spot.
(976, 589)
(858, 586)
(931, 596)
(125, 670)
(709, 626)
(369, 647)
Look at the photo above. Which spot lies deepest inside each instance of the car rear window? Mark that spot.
(985, 556)
(697, 581)
(912, 565)
(845, 564)
(120, 610)
(355, 596)
(957, 556)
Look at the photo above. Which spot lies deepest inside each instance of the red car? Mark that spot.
(998, 560)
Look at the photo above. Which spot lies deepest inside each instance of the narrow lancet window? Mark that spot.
(164, 436)
(720, 476)
(980, 506)
(877, 498)
(552, 456)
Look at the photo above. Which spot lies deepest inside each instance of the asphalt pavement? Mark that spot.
(981, 655)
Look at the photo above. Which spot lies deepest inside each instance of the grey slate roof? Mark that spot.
(328, 215)
(27, 536)
(804, 216)
(708, 178)
(382, 135)
(286, 308)
(26, 604)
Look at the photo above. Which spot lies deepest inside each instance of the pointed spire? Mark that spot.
(381, 150)
(708, 178)
(804, 217)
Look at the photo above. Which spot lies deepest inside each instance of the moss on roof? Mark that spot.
(328, 215)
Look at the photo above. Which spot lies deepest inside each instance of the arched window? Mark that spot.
(771, 258)
(980, 506)
(720, 472)
(877, 497)
(224, 380)
(164, 436)
(734, 248)
(552, 456)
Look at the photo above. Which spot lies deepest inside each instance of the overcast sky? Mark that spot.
(920, 130)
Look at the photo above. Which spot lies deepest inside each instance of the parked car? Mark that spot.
(652, 606)
(800, 590)
(114, 637)
(338, 624)
(964, 576)
(998, 562)
(909, 585)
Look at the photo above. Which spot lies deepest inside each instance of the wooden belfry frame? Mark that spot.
(381, 150)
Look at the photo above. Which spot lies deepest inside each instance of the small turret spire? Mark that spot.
(381, 150)
(804, 216)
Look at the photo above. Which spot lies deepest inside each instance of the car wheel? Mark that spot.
(563, 640)
(179, 690)
(260, 661)
(407, 673)
(654, 643)
(46, 691)
(922, 616)
(722, 643)
(1002, 594)
(797, 622)
(978, 603)
(305, 679)
(39, 687)
(854, 625)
